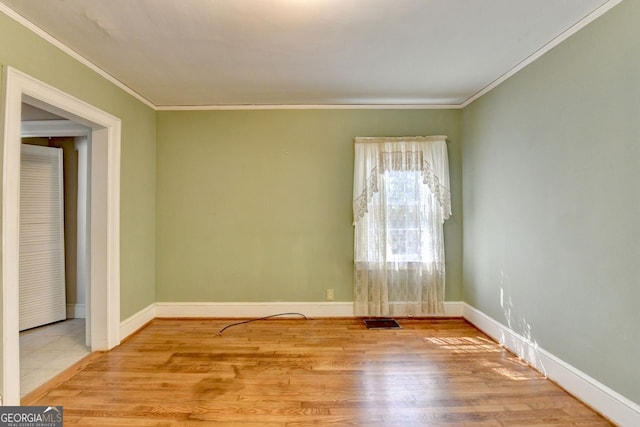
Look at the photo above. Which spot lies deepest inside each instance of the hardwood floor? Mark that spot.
(295, 372)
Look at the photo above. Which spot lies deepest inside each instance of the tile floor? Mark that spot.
(48, 350)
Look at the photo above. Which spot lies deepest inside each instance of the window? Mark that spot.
(402, 204)
(401, 199)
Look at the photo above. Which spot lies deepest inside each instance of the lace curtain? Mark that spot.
(400, 201)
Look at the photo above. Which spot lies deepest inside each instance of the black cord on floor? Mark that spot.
(260, 318)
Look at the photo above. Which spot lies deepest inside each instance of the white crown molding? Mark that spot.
(310, 107)
(608, 402)
(66, 49)
(595, 14)
(72, 53)
(531, 58)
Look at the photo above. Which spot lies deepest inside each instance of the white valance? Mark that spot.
(427, 154)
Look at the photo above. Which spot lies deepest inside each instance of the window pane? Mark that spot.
(413, 244)
(404, 245)
(396, 216)
(395, 183)
(397, 242)
(411, 215)
(399, 202)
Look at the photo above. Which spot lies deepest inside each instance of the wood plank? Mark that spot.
(295, 372)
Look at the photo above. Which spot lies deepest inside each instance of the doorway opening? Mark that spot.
(54, 327)
(103, 252)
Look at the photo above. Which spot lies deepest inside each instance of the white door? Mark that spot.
(41, 274)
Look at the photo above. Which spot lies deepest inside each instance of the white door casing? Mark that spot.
(104, 252)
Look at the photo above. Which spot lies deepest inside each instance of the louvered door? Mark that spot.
(42, 280)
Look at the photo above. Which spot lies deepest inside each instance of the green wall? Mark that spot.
(551, 178)
(257, 205)
(27, 52)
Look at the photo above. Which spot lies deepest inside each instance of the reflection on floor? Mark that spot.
(48, 350)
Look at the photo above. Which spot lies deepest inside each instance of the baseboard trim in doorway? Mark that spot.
(76, 311)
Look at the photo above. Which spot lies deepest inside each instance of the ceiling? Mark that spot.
(30, 113)
(208, 53)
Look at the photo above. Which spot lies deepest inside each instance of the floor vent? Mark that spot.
(381, 324)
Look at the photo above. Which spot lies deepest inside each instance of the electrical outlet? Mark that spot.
(329, 294)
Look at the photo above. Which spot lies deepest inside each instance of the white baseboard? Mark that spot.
(252, 309)
(76, 311)
(453, 308)
(608, 402)
(261, 309)
(249, 309)
(137, 321)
